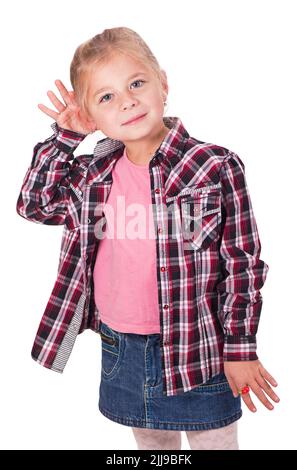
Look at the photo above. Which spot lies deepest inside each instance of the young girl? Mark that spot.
(173, 291)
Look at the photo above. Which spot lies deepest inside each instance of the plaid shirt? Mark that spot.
(208, 268)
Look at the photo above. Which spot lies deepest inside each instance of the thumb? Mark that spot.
(233, 387)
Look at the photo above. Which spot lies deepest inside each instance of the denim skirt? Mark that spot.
(131, 388)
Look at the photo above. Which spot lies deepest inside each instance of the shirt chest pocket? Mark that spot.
(201, 218)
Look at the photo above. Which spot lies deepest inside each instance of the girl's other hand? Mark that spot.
(252, 373)
(69, 115)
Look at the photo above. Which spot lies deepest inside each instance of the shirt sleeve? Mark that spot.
(243, 272)
(44, 193)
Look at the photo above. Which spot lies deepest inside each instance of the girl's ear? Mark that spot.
(164, 84)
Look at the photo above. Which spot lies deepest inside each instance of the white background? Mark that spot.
(232, 80)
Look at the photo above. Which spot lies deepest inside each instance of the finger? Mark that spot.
(48, 111)
(248, 401)
(268, 376)
(64, 92)
(56, 102)
(262, 397)
(72, 97)
(266, 387)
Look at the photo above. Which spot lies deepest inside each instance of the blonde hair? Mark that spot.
(100, 49)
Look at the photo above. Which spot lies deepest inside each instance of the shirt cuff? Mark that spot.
(65, 139)
(240, 348)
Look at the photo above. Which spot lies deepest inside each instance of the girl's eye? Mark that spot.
(108, 94)
(138, 81)
(103, 97)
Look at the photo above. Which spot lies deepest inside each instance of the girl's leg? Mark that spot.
(224, 438)
(156, 439)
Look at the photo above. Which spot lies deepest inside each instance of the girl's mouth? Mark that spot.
(134, 120)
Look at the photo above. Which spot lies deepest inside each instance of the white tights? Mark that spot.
(224, 438)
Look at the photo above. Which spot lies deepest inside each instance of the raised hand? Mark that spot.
(69, 115)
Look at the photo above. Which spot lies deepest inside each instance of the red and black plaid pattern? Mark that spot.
(209, 270)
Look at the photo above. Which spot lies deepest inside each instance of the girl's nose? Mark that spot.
(128, 101)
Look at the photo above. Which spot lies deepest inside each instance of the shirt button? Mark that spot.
(159, 230)
(163, 268)
(166, 306)
(166, 342)
(89, 221)
(157, 190)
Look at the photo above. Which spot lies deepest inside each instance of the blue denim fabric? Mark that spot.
(131, 389)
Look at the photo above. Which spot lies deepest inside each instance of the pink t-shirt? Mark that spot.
(125, 273)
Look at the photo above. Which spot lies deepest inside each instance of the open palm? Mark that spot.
(69, 115)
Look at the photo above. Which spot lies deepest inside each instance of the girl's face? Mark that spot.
(122, 89)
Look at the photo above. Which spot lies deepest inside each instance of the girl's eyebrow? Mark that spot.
(129, 78)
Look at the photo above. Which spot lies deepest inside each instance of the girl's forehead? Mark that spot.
(126, 65)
